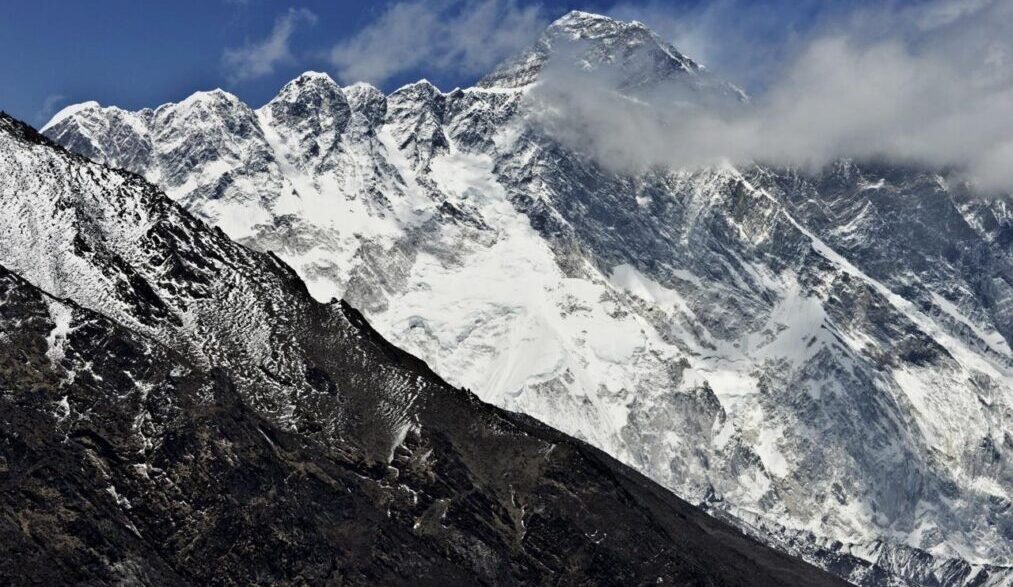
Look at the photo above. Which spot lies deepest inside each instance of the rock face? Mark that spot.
(176, 409)
(822, 357)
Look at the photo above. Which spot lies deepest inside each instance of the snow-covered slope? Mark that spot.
(825, 356)
(180, 411)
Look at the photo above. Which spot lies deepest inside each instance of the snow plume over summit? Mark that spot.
(873, 86)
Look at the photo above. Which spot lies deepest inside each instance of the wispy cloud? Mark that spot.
(48, 107)
(259, 58)
(930, 83)
(461, 36)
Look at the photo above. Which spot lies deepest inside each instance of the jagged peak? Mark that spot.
(215, 95)
(608, 40)
(140, 117)
(580, 16)
(361, 87)
(313, 98)
(360, 93)
(98, 118)
(70, 111)
(315, 75)
(422, 86)
(312, 89)
(366, 99)
(203, 97)
(590, 25)
(597, 28)
(306, 80)
(217, 103)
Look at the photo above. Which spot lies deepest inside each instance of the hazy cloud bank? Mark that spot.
(930, 84)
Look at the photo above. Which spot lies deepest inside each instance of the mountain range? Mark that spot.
(819, 357)
(177, 410)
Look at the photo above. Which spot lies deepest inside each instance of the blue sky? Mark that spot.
(136, 54)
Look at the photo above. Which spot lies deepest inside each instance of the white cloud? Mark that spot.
(462, 36)
(260, 58)
(930, 84)
(748, 41)
(49, 106)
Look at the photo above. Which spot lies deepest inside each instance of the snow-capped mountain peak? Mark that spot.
(310, 113)
(823, 354)
(368, 101)
(204, 98)
(611, 37)
(311, 90)
(629, 56)
(69, 111)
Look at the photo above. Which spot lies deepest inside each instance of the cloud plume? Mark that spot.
(460, 36)
(260, 58)
(48, 106)
(928, 84)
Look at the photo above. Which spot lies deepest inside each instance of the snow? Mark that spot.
(316, 75)
(68, 112)
(768, 452)
(498, 296)
(61, 315)
(360, 87)
(799, 321)
(62, 409)
(991, 486)
(503, 320)
(519, 90)
(967, 356)
(992, 338)
(201, 97)
(120, 500)
(627, 277)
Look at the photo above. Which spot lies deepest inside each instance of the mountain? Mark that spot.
(822, 358)
(640, 58)
(178, 410)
